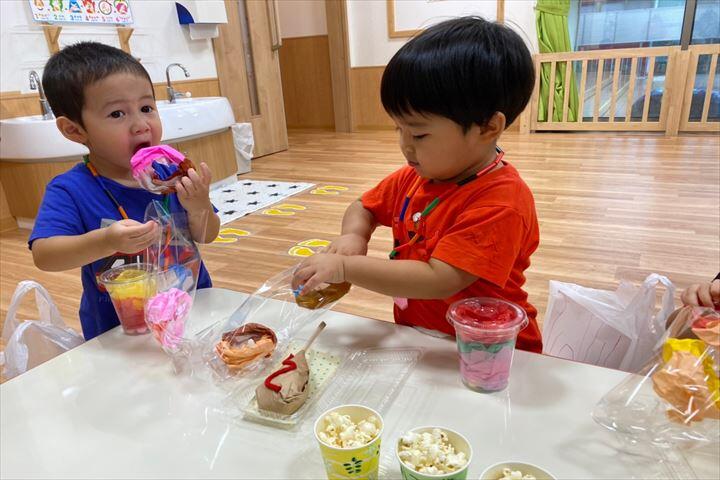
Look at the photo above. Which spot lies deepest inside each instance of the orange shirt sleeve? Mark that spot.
(484, 242)
(382, 199)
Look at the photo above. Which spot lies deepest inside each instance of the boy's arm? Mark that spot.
(396, 278)
(64, 252)
(204, 226)
(357, 227)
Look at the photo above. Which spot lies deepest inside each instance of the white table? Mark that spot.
(113, 408)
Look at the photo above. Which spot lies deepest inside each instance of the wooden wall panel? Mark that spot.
(16, 104)
(306, 82)
(367, 110)
(7, 222)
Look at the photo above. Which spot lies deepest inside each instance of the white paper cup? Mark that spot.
(495, 472)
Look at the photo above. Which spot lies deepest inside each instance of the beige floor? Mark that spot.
(611, 207)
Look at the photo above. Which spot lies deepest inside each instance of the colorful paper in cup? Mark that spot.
(495, 472)
(129, 286)
(459, 443)
(350, 463)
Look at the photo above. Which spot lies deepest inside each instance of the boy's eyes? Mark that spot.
(117, 114)
(419, 137)
(143, 109)
(147, 109)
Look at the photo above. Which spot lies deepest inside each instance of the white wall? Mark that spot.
(302, 18)
(158, 40)
(367, 24)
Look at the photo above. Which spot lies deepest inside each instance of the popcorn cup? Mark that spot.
(486, 330)
(351, 463)
(459, 442)
(495, 472)
(129, 286)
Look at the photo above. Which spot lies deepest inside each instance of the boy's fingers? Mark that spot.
(310, 285)
(704, 297)
(189, 186)
(194, 176)
(180, 189)
(206, 173)
(715, 291)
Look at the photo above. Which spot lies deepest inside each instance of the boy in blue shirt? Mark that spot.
(103, 98)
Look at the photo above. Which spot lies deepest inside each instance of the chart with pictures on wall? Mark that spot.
(114, 12)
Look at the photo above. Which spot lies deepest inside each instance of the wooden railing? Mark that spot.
(638, 89)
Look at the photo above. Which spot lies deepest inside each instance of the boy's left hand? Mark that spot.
(193, 190)
(318, 269)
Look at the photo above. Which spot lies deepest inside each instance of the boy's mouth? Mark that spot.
(139, 146)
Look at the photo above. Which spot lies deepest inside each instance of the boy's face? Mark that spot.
(119, 117)
(437, 148)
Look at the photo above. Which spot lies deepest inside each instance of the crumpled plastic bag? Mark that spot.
(617, 329)
(259, 332)
(175, 261)
(676, 398)
(32, 342)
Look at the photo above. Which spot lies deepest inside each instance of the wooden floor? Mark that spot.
(611, 207)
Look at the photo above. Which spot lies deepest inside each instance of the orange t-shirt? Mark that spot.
(487, 227)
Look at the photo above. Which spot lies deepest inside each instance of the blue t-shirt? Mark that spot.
(75, 203)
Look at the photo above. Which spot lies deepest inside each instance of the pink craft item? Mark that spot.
(144, 165)
(166, 314)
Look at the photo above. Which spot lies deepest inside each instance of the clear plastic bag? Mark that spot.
(258, 334)
(617, 329)
(32, 342)
(175, 262)
(675, 400)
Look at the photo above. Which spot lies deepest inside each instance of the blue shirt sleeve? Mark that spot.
(58, 215)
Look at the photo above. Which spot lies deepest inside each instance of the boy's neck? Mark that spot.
(486, 159)
(121, 175)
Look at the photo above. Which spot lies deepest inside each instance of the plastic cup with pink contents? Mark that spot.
(486, 330)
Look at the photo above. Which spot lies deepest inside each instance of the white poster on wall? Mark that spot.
(419, 14)
(113, 12)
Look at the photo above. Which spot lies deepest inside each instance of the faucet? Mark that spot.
(36, 84)
(171, 92)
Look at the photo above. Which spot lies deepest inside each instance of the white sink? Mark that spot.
(32, 139)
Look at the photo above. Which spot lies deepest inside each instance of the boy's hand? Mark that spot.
(193, 190)
(702, 295)
(318, 269)
(129, 236)
(348, 244)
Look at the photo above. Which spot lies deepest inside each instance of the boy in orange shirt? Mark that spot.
(464, 222)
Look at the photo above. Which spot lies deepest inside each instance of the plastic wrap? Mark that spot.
(675, 400)
(175, 261)
(258, 334)
(157, 168)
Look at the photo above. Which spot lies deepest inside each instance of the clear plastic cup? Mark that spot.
(486, 330)
(129, 286)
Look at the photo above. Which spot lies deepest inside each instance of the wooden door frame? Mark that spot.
(337, 28)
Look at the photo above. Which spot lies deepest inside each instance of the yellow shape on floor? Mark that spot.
(328, 190)
(307, 248)
(230, 235)
(284, 210)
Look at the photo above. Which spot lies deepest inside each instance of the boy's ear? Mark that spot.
(71, 130)
(492, 130)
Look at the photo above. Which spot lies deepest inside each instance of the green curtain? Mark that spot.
(551, 18)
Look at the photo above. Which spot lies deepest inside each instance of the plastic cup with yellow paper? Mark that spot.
(355, 462)
(129, 287)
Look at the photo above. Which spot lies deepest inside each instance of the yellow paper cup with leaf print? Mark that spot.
(348, 422)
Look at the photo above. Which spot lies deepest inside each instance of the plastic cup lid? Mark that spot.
(487, 314)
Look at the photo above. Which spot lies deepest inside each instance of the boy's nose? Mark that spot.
(140, 126)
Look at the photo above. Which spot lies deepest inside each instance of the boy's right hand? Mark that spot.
(129, 236)
(348, 244)
(702, 295)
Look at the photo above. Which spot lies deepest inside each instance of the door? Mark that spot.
(248, 66)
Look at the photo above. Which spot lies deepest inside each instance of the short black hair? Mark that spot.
(464, 69)
(75, 67)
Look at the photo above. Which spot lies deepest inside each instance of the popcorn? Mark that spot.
(430, 453)
(340, 431)
(509, 474)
